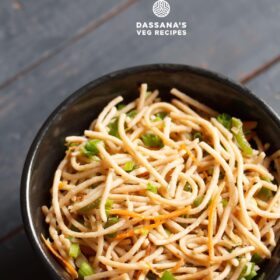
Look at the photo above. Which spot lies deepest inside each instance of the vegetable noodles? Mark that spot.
(164, 190)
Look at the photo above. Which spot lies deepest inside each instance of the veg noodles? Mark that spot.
(164, 190)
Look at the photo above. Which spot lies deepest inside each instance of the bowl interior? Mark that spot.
(76, 113)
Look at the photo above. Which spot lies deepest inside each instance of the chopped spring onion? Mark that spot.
(265, 194)
(129, 166)
(168, 232)
(159, 116)
(256, 258)
(120, 106)
(74, 250)
(198, 135)
(187, 188)
(240, 137)
(72, 227)
(249, 272)
(90, 149)
(210, 171)
(71, 144)
(152, 188)
(113, 128)
(111, 235)
(95, 204)
(198, 201)
(91, 206)
(224, 202)
(108, 206)
(111, 221)
(225, 120)
(132, 114)
(85, 270)
(152, 140)
(167, 275)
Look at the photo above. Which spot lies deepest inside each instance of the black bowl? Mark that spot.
(76, 112)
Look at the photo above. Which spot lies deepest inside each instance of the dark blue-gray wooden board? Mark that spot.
(50, 48)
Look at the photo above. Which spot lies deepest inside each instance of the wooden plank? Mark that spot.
(18, 260)
(267, 87)
(231, 37)
(33, 30)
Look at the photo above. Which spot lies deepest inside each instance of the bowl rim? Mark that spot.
(28, 164)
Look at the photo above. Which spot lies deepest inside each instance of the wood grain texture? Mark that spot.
(267, 87)
(231, 37)
(33, 30)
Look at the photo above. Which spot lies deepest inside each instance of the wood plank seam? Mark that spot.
(86, 30)
(260, 70)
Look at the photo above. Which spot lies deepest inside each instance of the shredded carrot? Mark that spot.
(171, 215)
(69, 267)
(189, 153)
(132, 232)
(212, 206)
(61, 185)
(126, 213)
(249, 125)
(178, 265)
(146, 173)
(250, 136)
(125, 234)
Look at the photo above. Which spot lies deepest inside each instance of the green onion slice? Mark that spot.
(74, 250)
(85, 269)
(198, 201)
(129, 166)
(90, 148)
(152, 188)
(113, 128)
(265, 194)
(167, 275)
(240, 137)
(225, 120)
(152, 141)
